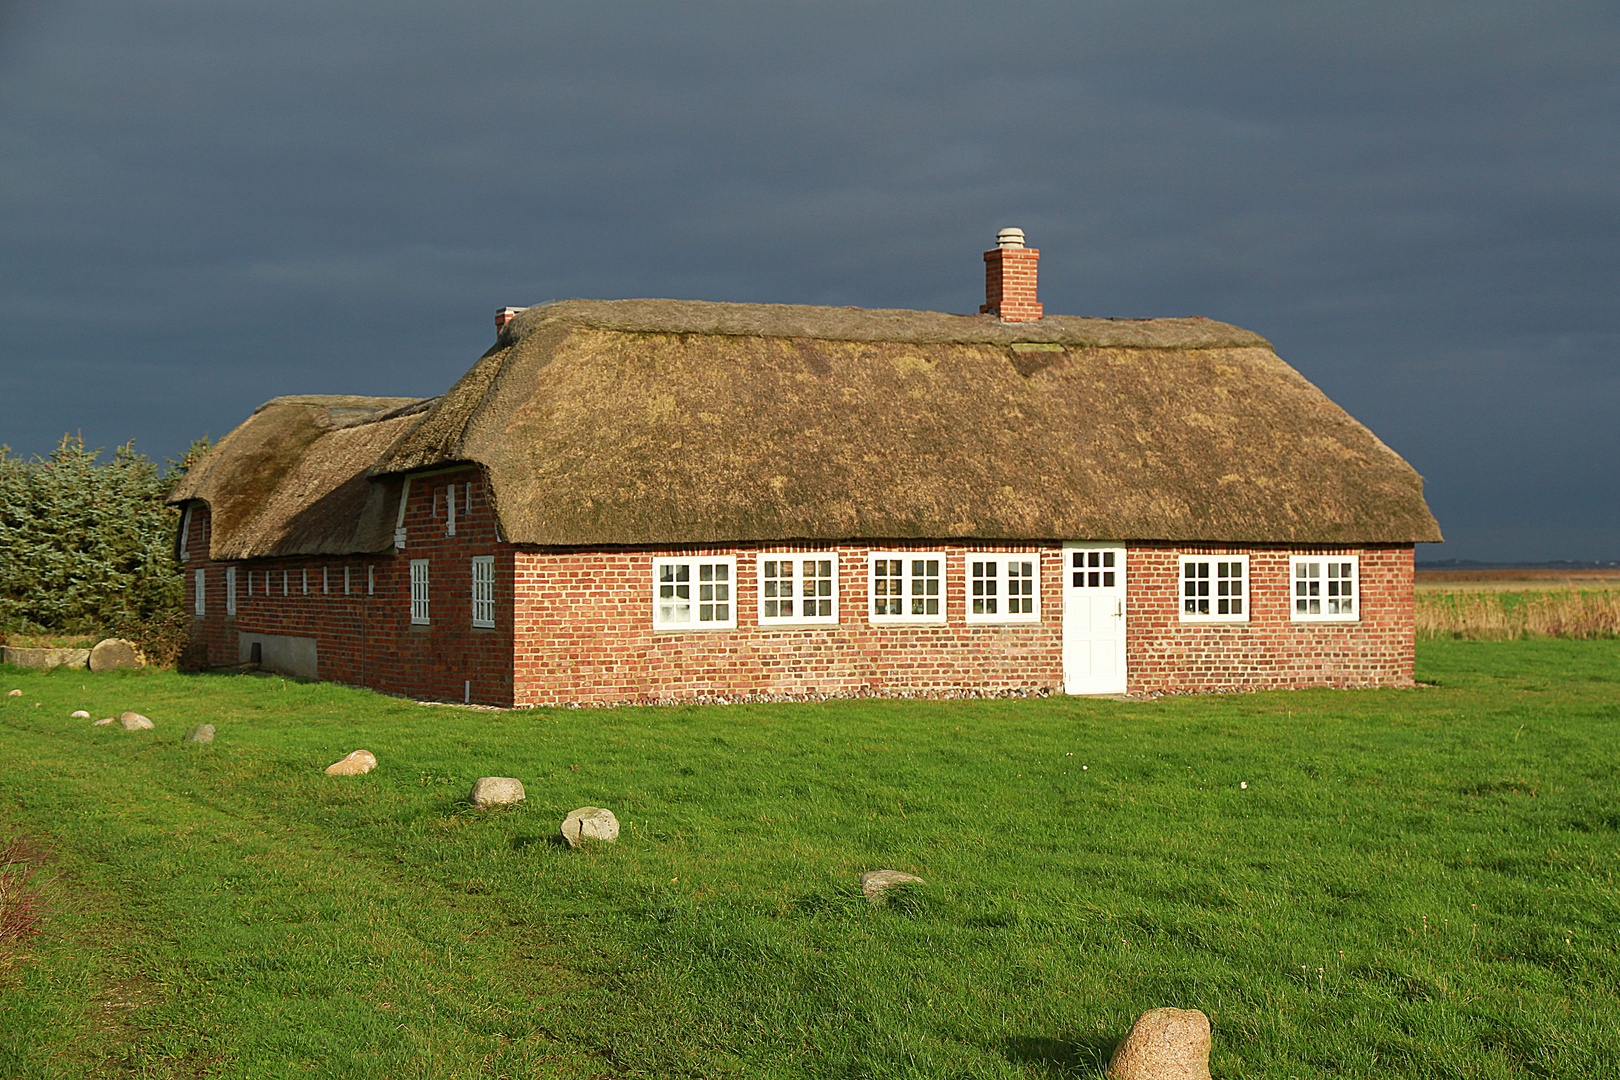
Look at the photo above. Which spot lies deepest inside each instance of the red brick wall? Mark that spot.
(1268, 651)
(585, 634)
(576, 627)
(368, 640)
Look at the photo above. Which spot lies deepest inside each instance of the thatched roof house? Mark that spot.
(614, 442)
(630, 422)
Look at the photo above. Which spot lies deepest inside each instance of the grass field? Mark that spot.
(1411, 884)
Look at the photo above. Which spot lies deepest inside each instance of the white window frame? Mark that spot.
(694, 602)
(985, 591)
(326, 582)
(1325, 585)
(230, 590)
(483, 591)
(450, 510)
(914, 589)
(199, 584)
(769, 592)
(1217, 591)
(305, 573)
(345, 581)
(371, 580)
(284, 582)
(420, 614)
(185, 533)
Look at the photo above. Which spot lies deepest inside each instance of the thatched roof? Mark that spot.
(672, 422)
(663, 422)
(291, 479)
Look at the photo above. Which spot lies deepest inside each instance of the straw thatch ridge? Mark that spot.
(872, 324)
(603, 423)
(292, 479)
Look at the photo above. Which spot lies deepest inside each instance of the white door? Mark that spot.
(1093, 618)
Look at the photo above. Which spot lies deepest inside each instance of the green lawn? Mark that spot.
(1413, 883)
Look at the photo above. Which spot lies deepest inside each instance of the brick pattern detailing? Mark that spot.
(1270, 651)
(1010, 284)
(585, 635)
(576, 627)
(368, 640)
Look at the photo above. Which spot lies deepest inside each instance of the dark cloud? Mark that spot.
(203, 205)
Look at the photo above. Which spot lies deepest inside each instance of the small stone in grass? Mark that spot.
(590, 823)
(355, 764)
(202, 733)
(104, 720)
(15, 693)
(495, 791)
(134, 721)
(81, 715)
(1164, 1044)
(874, 883)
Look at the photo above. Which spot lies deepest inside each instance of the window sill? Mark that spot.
(694, 629)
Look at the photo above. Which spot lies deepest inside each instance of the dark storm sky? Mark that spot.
(206, 204)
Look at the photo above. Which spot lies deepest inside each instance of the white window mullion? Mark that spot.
(697, 593)
(798, 588)
(230, 590)
(199, 580)
(906, 586)
(1324, 588)
(419, 592)
(1003, 588)
(483, 591)
(1214, 588)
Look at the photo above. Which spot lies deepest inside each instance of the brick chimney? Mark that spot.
(1009, 279)
(503, 316)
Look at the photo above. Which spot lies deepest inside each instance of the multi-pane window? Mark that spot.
(1003, 588)
(1323, 588)
(907, 587)
(798, 588)
(1214, 589)
(1092, 569)
(230, 590)
(419, 592)
(694, 593)
(199, 584)
(483, 590)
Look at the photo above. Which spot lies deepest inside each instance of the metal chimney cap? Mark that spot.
(1010, 238)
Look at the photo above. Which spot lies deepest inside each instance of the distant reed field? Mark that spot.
(1508, 616)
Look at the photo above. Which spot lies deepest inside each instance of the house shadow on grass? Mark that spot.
(1083, 1056)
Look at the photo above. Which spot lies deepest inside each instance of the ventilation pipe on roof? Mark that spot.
(1009, 279)
(503, 316)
